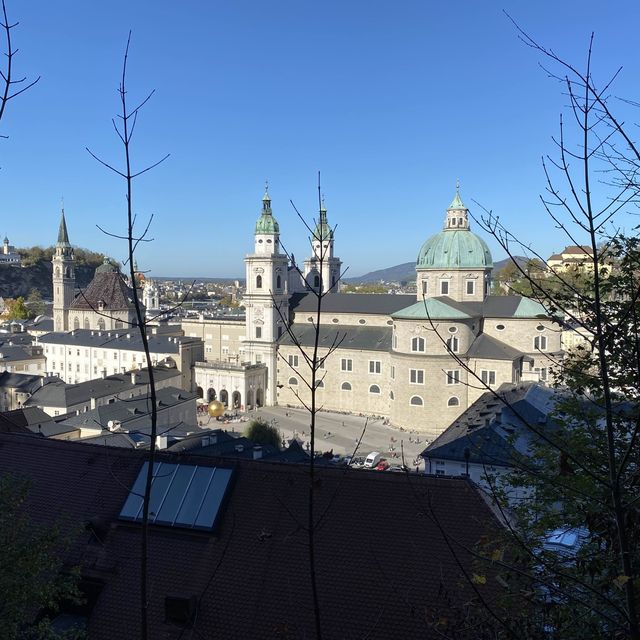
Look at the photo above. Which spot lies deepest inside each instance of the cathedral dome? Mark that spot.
(450, 249)
(456, 246)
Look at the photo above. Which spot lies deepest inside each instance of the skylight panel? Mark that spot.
(182, 495)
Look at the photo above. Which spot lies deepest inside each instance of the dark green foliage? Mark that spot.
(31, 578)
(261, 432)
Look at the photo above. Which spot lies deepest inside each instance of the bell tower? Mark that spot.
(64, 278)
(322, 269)
(267, 296)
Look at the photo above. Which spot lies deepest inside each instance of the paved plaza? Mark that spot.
(340, 433)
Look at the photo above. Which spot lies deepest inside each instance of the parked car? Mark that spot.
(383, 465)
(372, 460)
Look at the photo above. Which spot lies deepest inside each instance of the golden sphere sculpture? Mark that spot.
(215, 408)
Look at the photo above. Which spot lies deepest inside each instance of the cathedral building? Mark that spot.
(419, 361)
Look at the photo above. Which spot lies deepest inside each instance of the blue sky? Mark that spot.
(391, 100)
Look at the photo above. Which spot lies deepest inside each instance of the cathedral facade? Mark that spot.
(418, 361)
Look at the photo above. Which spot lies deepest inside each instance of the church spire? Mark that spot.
(63, 236)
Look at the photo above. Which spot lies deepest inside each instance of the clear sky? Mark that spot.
(391, 100)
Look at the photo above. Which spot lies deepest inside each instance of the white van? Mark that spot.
(372, 460)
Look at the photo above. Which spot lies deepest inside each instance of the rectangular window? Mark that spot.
(293, 361)
(393, 372)
(453, 344)
(346, 364)
(115, 355)
(542, 372)
(471, 287)
(488, 377)
(375, 366)
(453, 376)
(425, 287)
(540, 343)
(258, 332)
(444, 287)
(416, 376)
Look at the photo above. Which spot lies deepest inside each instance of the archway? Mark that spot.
(236, 400)
(224, 397)
(249, 398)
(259, 397)
(211, 395)
(199, 392)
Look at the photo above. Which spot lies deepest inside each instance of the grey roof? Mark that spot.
(389, 304)
(360, 338)
(24, 381)
(128, 340)
(381, 304)
(23, 420)
(60, 394)
(513, 307)
(11, 353)
(124, 411)
(490, 348)
(107, 288)
(495, 431)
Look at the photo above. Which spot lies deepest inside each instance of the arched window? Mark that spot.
(417, 344)
(346, 386)
(258, 282)
(316, 281)
(76, 323)
(374, 388)
(86, 323)
(118, 324)
(453, 402)
(293, 381)
(416, 401)
(391, 395)
(278, 282)
(101, 324)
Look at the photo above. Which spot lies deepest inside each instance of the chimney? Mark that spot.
(93, 403)
(134, 377)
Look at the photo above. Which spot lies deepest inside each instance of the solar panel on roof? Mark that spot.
(182, 495)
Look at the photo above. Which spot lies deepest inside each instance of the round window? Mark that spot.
(389, 322)
(540, 328)
(335, 320)
(361, 321)
(453, 329)
(500, 327)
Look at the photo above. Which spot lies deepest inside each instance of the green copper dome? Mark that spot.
(266, 222)
(454, 249)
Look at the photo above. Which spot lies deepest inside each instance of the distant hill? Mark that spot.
(407, 271)
(399, 273)
(18, 281)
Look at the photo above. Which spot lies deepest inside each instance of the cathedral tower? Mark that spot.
(267, 297)
(64, 278)
(322, 269)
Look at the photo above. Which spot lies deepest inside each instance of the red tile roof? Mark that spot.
(382, 559)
